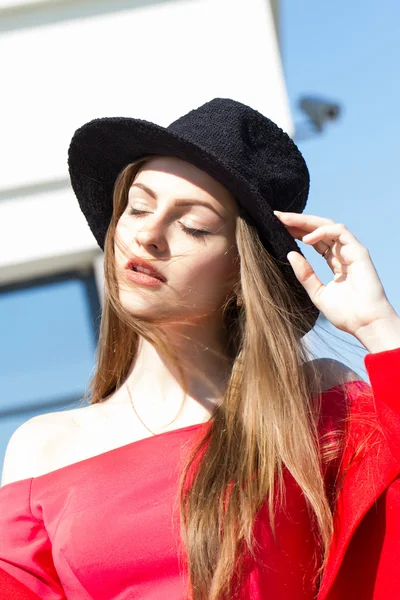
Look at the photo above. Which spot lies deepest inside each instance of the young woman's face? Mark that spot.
(183, 222)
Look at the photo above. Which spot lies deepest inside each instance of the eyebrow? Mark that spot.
(177, 202)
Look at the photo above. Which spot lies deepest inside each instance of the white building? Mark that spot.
(64, 63)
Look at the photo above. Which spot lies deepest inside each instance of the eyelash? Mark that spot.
(196, 233)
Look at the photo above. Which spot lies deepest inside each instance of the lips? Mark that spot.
(143, 264)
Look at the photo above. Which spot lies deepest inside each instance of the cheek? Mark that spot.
(213, 272)
(123, 231)
(122, 242)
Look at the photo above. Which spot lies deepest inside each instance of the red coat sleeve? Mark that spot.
(25, 548)
(365, 554)
(384, 371)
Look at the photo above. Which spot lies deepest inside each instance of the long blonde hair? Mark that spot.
(267, 421)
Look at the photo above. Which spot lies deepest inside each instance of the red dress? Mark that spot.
(12, 589)
(106, 528)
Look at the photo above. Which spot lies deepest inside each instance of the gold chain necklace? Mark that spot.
(130, 398)
(135, 411)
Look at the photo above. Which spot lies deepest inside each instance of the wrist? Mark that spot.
(380, 335)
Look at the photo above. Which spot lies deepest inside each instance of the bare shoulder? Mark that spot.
(326, 373)
(30, 442)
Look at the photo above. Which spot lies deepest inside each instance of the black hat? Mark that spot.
(238, 146)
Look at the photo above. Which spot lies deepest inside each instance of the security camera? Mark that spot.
(319, 111)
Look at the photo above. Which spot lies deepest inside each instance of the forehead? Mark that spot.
(178, 178)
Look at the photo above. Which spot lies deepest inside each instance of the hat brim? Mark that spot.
(101, 148)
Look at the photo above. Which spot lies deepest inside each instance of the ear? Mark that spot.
(330, 372)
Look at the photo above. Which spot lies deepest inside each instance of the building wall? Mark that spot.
(65, 63)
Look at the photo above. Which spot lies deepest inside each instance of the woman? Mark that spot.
(246, 470)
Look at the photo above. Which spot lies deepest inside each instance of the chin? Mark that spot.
(142, 307)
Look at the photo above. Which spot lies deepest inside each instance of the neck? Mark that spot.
(154, 381)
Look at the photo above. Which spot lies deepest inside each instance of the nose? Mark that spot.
(152, 234)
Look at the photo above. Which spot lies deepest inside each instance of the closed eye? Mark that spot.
(198, 233)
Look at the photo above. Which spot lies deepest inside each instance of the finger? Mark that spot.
(345, 247)
(299, 234)
(327, 233)
(306, 275)
(322, 247)
(302, 221)
(296, 232)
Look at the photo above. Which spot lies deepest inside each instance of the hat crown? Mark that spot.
(241, 136)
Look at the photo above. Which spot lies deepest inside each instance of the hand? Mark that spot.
(355, 297)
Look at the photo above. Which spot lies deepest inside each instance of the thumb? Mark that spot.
(305, 274)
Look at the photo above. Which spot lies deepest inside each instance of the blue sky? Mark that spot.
(344, 51)
(349, 52)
